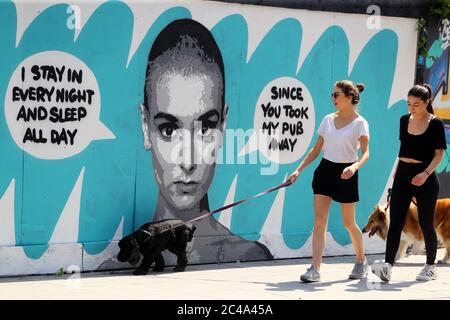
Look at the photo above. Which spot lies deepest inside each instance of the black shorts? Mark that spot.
(327, 181)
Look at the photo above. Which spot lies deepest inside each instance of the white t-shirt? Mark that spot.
(341, 145)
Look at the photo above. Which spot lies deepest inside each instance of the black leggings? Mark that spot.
(402, 193)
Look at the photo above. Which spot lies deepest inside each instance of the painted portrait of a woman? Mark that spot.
(183, 120)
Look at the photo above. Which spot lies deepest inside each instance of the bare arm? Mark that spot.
(438, 155)
(350, 171)
(310, 157)
(364, 144)
(420, 179)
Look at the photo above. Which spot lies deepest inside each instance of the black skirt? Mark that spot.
(327, 181)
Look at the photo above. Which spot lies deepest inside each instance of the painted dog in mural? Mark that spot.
(151, 239)
(378, 223)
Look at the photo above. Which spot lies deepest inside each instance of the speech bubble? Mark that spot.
(52, 106)
(284, 121)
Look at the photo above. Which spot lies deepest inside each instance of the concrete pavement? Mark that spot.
(267, 280)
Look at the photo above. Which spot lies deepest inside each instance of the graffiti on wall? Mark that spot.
(110, 123)
(436, 73)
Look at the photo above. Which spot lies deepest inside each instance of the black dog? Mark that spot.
(153, 238)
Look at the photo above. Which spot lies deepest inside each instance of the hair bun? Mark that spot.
(360, 87)
(428, 87)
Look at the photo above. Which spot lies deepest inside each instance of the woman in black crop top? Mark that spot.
(422, 144)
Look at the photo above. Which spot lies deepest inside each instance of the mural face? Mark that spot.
(183, 122)
(227, 104)
(183, 116)
(181, 130)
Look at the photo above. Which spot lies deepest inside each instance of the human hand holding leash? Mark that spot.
(293, 177)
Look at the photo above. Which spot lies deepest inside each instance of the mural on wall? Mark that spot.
(436, 72)
(183, 120)
(188, 81)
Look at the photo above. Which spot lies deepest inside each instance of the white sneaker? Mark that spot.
(360, 270)
(382, 270)
(311, 275)
(427, 273)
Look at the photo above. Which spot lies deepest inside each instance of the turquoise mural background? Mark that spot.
(118, 179)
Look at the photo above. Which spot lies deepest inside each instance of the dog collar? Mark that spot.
(147, 232)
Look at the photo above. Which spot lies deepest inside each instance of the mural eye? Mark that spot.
(167, 130)
(206, 131)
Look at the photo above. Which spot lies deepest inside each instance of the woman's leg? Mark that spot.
(426, 204)
(348, 215)
(400, 201)
(321, 208)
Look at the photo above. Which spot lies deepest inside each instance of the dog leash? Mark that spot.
(284, 184)
(389, 204)
(210, 213)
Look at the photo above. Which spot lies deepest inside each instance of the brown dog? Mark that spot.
(378, 223)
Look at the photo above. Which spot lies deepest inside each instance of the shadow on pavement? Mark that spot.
(363, 285)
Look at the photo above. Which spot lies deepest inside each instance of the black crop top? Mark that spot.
(421, 147)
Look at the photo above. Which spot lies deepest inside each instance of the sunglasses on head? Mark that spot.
(335, 95)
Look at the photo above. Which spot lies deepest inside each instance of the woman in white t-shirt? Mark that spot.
(336, 178)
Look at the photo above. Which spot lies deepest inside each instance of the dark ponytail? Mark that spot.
(429, 106)
(422, 91)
